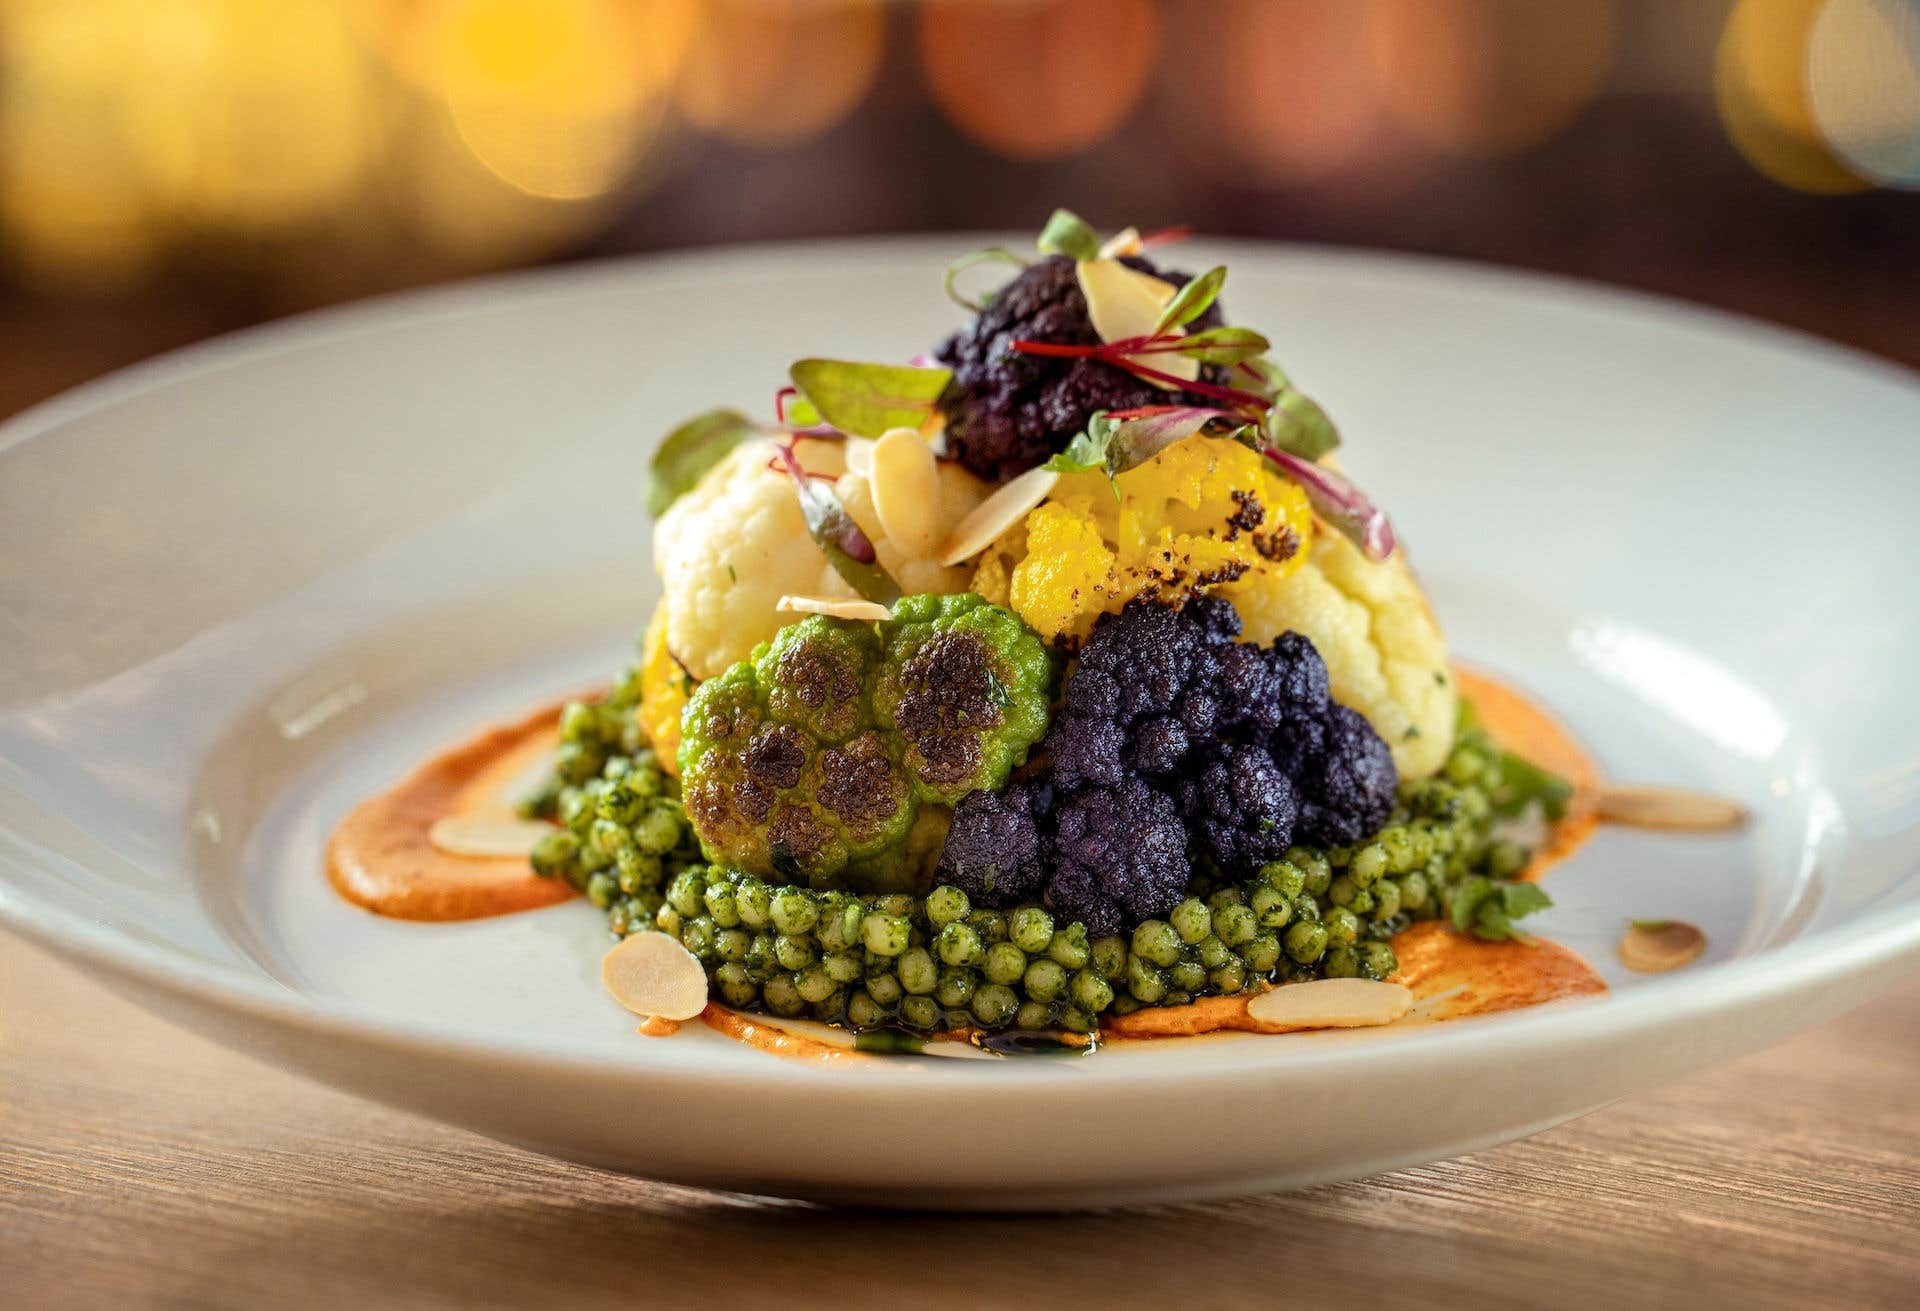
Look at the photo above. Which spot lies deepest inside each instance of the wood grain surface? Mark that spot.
(141, 1166)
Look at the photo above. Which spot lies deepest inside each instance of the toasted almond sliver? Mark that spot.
(859, 453)
(1123, 303)
(1330, 1004)
(999, 512)
(836, 607)
(1655, 948)
(906, 491)
(1124, 242)
(1669, 808)
(487, 836)
(650, 973)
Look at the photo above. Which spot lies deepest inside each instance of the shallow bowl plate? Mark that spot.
(246, 584)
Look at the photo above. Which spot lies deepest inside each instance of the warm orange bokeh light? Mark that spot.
(1037, 79)
(1760, 83)
(556, 97)
(779, 72)
(1303, 103)
(1490, 77)
(72, 197)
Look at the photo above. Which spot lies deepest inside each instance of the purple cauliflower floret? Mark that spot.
(1345, 776)
(1120, 857)
(1239, 806)
(1173, 742)
(994, 851)
(1006, 411)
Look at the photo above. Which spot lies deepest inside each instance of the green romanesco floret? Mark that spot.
(826, 755)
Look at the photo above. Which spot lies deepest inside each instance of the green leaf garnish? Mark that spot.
(1192, 300)
(1297, 425)
(1650, 926)
(1068, 234)
(801, 414)
(1487, 907)
(1117, 441)
(1519, 783)
(1087, 451)
(989, 255)
(1220, 345)
(866, 400)
(689, 451)
(847, 547)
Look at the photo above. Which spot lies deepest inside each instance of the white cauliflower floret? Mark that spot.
(1371, 623)
(729, 549)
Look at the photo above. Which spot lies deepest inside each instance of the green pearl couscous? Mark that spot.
(931, 962)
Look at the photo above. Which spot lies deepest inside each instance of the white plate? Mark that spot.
(246, 584)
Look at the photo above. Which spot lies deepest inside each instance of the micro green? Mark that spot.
(988, 255)
(865, 400)
(1068, 234)
(689, 451)
(847, 548)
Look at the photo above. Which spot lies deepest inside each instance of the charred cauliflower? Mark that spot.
(821, 756)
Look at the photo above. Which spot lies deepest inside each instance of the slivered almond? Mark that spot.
(1656, 946)
(906, 491)
(1124, 242)
(1668, 808)
(836, 607)
(1123, 303)
(650, 973)
(859, 453)
(486, 836)
(1330, 1004)
(999, 512)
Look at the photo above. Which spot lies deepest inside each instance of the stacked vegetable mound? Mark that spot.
(1166, 715)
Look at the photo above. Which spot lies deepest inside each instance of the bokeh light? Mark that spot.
(1863, 83)
(71, 192)
(251, 116)
(1303, 104)
(556, 97)
(775, 72)
(1490, 77)
(1039, 79)
(1760, 85)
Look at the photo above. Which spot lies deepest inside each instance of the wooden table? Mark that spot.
(142, 1166)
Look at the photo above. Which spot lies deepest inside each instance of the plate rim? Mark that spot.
(1698, 994)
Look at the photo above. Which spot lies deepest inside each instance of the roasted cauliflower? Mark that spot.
(728, 550)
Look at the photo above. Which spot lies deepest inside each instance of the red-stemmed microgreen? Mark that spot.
(1191, 300)
(1339, 502)
(847, 547)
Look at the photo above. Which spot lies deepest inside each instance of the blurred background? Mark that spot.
(170, 169)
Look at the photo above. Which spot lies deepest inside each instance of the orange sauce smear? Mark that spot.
(380, 857)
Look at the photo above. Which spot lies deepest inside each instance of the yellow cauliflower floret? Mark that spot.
(1371, 623)
(664, 688)
(728, 550)
(1068, 576)
(1201, 513)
